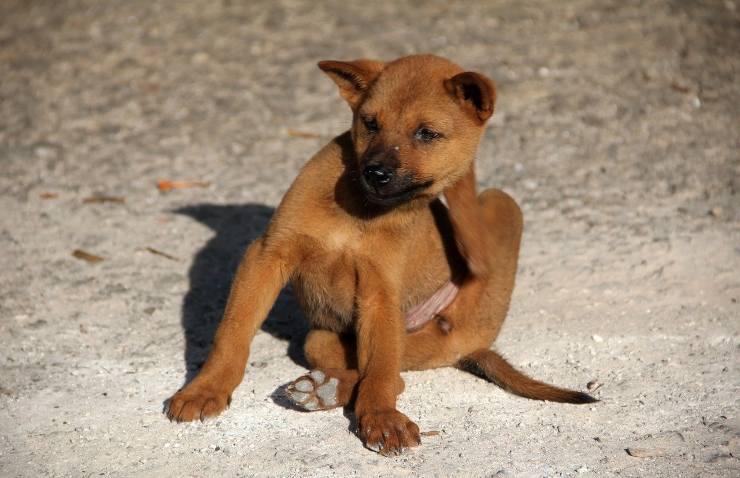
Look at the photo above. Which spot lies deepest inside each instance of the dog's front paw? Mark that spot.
(388, 432)
(196, 403)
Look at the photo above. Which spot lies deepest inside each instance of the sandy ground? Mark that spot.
(617, 130)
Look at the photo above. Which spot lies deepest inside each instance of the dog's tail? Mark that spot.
(490, 366)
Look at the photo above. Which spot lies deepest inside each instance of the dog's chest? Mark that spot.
(326, 280)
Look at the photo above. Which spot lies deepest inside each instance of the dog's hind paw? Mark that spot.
(316, 390)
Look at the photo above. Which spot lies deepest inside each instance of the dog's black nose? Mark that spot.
(377, 174)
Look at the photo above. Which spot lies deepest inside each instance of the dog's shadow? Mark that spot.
(235, 227)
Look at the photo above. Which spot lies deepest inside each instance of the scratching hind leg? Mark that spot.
(503, 223)
(474, 318)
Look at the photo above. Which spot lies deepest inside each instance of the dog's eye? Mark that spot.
(426, 135)
(371, 124)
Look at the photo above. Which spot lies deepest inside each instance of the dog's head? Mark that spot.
(416, 123)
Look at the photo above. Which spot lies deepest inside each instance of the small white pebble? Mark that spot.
(597, 338)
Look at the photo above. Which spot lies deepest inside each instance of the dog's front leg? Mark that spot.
(263, 271)
(380, 332)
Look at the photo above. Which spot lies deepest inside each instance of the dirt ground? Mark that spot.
(617, 129)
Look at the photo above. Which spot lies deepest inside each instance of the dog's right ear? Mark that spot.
(352, 77)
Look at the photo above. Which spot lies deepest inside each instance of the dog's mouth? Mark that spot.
(396, 197)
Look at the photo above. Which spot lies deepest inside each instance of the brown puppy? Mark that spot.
(389, 277)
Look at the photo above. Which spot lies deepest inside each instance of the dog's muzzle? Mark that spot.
(389, 188)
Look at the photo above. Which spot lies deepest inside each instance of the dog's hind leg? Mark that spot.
(473, 320)
(503, 224)
(333, 379)
(327, 349)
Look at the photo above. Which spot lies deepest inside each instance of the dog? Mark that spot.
(390, 278)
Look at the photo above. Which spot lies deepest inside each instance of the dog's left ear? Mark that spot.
(352, 77)
(474, 92)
